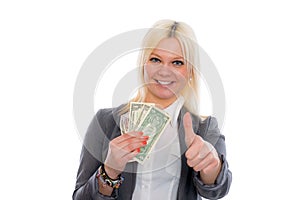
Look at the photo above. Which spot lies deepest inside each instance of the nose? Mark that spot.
(165, 70)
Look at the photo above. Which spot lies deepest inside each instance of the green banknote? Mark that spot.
(137, 112)
(124, 123)
(147, 118)
(153, 124)
(134, 113)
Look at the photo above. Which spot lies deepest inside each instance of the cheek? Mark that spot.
(148, 72)
(182, 75)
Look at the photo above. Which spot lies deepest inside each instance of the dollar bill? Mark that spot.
(147, 118)
(137, 112)
(153, 124)
(124, 123)
(134, 113)
(142, 115)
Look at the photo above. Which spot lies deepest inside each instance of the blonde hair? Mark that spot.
(186, 37)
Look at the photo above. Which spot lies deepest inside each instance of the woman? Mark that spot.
(188, 160)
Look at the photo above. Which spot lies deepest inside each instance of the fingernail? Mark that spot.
(144, 142)
(138, 150)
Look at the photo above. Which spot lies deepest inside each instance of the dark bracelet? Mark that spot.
(106, 180)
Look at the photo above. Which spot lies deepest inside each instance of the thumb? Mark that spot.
(188, 129)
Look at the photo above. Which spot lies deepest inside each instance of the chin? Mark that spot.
(167, 96)
(163, 94)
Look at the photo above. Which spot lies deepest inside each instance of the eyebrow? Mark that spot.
(172, 58)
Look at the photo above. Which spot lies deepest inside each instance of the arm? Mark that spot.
(87, 185)
(99, 149)
(222, 183)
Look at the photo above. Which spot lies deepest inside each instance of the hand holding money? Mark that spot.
(121, 150)
(146, 118)
(201, 155)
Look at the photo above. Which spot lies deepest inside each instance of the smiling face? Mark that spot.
(165, 72)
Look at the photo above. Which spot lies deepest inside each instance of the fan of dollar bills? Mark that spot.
(147, 118)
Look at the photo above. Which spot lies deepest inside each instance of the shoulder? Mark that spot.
(105, 112)
(103, 125)
(208, 123)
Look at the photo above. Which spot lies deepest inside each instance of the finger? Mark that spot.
(131, 146)
(188, 129)
(131, 155)
(194, 161)
(200, 148)
(131, 141)
(119, 150)
(126, 148)
(196, 149)
(201, 164)
(211, 167)
(126, 136)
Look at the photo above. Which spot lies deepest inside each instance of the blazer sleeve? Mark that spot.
(211, 133)
(86, 187)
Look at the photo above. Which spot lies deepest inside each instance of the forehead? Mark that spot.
(168, 47)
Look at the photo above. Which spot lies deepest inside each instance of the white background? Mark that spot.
(254, 44)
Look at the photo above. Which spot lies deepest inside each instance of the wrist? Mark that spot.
(110, 172)
(210, 177)
(106, 180)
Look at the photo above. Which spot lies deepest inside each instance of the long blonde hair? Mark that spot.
(186, 37)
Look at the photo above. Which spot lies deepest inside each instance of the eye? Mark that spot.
(154, 60)
(178, 63)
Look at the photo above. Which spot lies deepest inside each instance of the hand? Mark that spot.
(201, 155)
(121, 150)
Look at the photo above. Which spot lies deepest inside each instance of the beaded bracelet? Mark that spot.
(106, 180)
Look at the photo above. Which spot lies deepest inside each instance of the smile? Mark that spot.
(164, 82)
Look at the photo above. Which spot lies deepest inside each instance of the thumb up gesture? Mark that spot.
(200, 155)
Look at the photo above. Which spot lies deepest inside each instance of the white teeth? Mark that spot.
(164, 82)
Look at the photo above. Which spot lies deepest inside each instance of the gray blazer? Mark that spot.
(105, 126)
